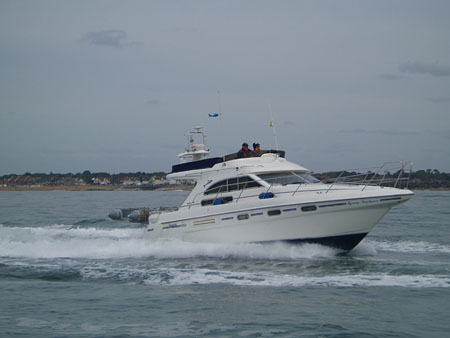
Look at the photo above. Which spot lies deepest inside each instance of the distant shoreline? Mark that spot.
(94, 188)
(129, 188)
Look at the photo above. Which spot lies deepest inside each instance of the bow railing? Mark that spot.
(390, 174)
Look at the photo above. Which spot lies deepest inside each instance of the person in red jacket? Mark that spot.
(244, 151)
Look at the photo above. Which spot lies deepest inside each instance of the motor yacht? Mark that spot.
(266, 198)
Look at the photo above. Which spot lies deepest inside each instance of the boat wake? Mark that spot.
(74, 241)
(410, 246)
(69, 241)
(204, 276)
(64, 252)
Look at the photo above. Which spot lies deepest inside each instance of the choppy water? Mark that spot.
(68, 271)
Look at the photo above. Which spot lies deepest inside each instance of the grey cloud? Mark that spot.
(171, 146)
(386, 132)
(439, 99)
(152, 101)
(329, 149)
(444, 134)
(289, 124)
(109, 38)
(8, 114)
(394, 132)
(81, 151)
(390, 77)
(418, 67)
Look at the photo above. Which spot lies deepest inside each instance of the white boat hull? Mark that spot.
(339, 223)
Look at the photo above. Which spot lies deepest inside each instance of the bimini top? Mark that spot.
(210, 162)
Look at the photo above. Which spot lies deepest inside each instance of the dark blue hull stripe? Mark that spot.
(344, 242)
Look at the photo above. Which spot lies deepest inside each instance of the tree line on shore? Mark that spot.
(417, 179)
(420, 179)
(85, 177)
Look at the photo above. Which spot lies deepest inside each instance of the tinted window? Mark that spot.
(232, 184)
(207, 202)
(218, 187)
(309, 208)
(219, 201)
(246, 182)
(288, 178)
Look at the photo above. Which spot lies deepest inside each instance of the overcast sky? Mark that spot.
(115, 85)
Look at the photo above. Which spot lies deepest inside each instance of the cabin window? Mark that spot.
(309, 208)
(216, 188)
(246, 182)
(207, 202)
(232, 184)
(274, 212)
(288, 177)
(242, 217)
(217, 201)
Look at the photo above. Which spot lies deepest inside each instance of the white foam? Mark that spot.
(205, 276)
(364, 249)
(65, 241)
(411, 246)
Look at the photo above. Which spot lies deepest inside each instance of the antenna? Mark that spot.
(272, 124)
(219, 103)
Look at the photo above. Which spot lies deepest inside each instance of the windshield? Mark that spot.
(291, 177)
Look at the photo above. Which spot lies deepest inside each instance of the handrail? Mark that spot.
(370, 181)
(376, 179)
(400, 173)
(375, 176)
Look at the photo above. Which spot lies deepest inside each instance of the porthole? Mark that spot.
(274, 212)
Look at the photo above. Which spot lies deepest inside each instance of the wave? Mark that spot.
(410, 246)
(68, 241)
(79, 241)
(205, 276)
(113, 254)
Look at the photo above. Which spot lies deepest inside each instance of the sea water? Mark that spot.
(66, 270)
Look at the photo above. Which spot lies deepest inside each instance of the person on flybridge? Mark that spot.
(256, 150)
(244, 151)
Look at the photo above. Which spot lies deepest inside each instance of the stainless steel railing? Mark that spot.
(389, 174)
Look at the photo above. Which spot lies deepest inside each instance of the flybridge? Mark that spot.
(196, 151)
(194, 165)
(210, 162)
